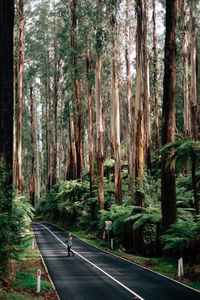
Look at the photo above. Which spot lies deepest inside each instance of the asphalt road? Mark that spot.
(93, 274)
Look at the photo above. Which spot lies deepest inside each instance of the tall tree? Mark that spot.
(155, 78)
(116, 109)
(193, 54)
(168, 190)
(6, 113)
(129, 93)
(90, 117)
(139, 118)
(186, 120)
(32, 129)
(6, 98)
(146, 91)
(77, 86)
(55, 103)
(19, 98)
(139, 121)
(99, 105)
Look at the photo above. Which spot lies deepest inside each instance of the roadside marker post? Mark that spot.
(180, 267)
(108, 225)
(111, 244)
(38, 281)
(33, 244)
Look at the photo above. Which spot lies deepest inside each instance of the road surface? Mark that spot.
(93, 274)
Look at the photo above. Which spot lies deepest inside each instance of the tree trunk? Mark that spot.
(61, 145)
(168, 204)
(116, 113)
(48, 149)
(55, 108)
(71, 169)
(139, 124)
(33, 173)
(6, 102)
(193, 97)
(77, 89)
(38, 156)
(19, 99)
(90, 118)
(186, 120)
(146, 97)
(155, 84)
(99, 107)
(129, 96)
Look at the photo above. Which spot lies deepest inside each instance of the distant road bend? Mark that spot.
(93, 274)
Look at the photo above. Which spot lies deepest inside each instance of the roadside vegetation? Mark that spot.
(71, 205)
(20, 282)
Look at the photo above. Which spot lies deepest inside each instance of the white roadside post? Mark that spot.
(180, 267)
(111, 244)
(108, 225)
(38, 281)
(33, 244)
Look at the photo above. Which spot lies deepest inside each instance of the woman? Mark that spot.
(69, 244)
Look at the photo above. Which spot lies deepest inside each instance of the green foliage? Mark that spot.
(27, 280)
(117, 214)
(13, 227)
(180, 235)
(144, 216)
(181, 151)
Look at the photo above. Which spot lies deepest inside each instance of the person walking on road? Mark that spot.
(69, 244)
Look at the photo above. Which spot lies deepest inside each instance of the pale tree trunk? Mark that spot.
(186, 119)
(168, 204)
(48, 147)
(155, 79)
(116, 113)
(77, 89)
(15, 84)
(33, 173)
(19, 99)
(71, 167)
(99, 108)
(146, 97)
(129, 95)
(55, 108)
(38, 155)
(193, 54)
(139, 123)
(61, 150)
(90, 118)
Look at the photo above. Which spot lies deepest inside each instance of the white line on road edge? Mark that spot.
(121, 284)
(47, 272)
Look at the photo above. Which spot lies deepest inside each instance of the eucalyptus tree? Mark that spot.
(146, 90)
(115, 103)
(99, 102)
(129, 91)
(155, 79)
(6, 117)
(193, 55)
(185, 46)
(19, 98)
(168, 203)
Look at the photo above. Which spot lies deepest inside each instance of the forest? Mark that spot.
(100, 121)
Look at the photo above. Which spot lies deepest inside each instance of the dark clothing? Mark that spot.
(69, 245)
(69, 250)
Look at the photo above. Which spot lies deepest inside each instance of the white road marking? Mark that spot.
(117, 281)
